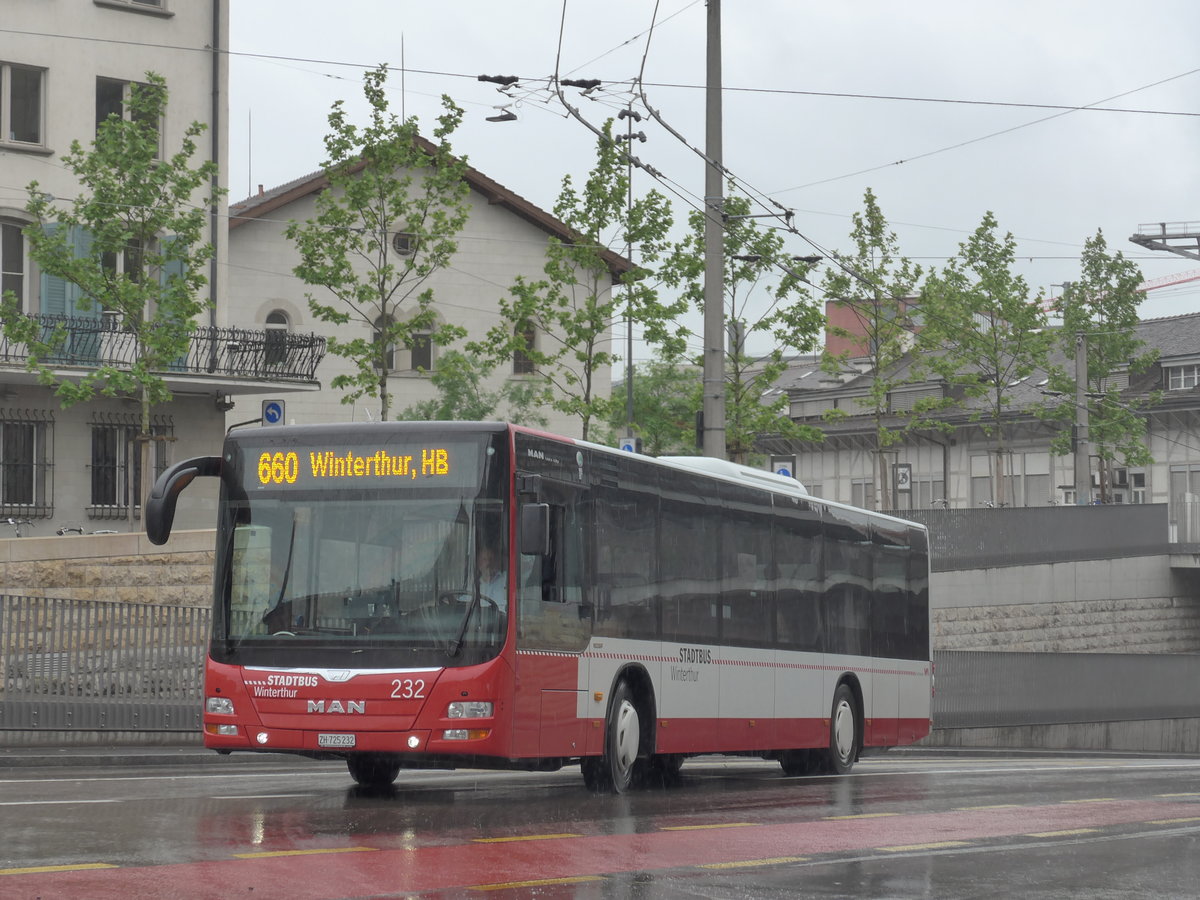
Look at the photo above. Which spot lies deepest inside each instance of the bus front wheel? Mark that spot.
(372, 770)
(613, 771)
(843, 732)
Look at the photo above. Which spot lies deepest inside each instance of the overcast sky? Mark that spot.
(936, 129)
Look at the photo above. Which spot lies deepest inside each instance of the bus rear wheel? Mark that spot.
(372, 769)
(843, 732)
(613, 771)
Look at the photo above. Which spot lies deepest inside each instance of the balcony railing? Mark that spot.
(235, 352)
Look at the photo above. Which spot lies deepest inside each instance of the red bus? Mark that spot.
(477, 595)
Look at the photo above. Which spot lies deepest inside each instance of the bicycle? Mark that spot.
(17, 523)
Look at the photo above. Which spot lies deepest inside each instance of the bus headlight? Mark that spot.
(469, 709)
(221, 706)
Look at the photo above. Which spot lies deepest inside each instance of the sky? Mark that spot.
(946, 110)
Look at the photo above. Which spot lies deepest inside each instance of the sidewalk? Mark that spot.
(29, 757)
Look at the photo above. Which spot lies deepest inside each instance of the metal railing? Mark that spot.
(84, 665)
(238, 352)
(93, 666)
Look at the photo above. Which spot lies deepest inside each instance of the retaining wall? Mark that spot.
(111, 567)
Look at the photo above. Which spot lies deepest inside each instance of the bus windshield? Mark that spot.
(409, 573)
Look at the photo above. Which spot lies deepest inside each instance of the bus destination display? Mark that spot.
(361, 466)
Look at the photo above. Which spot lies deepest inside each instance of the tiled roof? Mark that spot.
(495, 193)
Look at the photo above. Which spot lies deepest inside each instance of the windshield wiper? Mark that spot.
(456, 647)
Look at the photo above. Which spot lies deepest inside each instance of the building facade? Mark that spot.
(65, 66)
(955, 468)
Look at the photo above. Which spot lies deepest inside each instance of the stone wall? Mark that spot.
(111, 567)
(1135, 605)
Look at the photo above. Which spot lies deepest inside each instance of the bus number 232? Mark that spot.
(408, 689)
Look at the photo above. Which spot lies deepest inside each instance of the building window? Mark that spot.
(112, 99)
(24, 464)
(21, 111)
(862, 493)
(404, 243)
(153, 7)
(421, 351)
(116, 464)
(1183, 378)
(275, 346)
(12, 260)
(130, 262)
(522, 363)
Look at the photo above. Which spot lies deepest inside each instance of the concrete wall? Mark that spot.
(111, 567)
(1135, 605)
(1148, 736)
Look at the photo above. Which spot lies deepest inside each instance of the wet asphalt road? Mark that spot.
(903, 825)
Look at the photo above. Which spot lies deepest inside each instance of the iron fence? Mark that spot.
(90, 665)
(987, 689)
(984, 538)
(102, 341)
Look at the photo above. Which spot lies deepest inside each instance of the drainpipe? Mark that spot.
(215, 206)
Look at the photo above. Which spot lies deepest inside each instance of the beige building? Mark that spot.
(504, 236)
(65, 65)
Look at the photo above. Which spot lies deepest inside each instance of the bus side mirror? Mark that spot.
(535, 529)
(160, 508)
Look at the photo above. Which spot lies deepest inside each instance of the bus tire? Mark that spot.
(843, 732)
(372, 769)
(797, 762)
(613, 772)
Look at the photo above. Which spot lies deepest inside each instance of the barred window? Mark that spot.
(523, 364)
(116, 463)
(24, 463)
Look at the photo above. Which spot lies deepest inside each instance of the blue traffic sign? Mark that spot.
(272, 412)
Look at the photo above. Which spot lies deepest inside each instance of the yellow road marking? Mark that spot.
(34, 870)
(746, 863)
(936, 845)
(706, 827)
(993, 806)
(1065, 833)
(1174, 821)
(1185, 794)
(861, 816)
(1094, 800)
(577, 879)
(265, 853)
(524, 837)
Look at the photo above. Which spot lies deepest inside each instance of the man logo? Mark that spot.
(336, 706)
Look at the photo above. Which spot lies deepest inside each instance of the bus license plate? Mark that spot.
(335, 740)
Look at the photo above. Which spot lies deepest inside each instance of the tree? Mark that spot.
(984, 333)
(1101, 308)
(789, 321)
(129, 246)
(559, 325)
(461, 396)
(876, 286)
(666, 396)
(386, 223)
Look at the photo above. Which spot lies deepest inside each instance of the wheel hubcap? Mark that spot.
(626, 738)
(843, 730)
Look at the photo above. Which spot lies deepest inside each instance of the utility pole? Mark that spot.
(1083, 474)
(714, 247)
